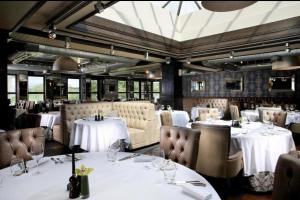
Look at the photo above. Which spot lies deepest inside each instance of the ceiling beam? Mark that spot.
(199, 67)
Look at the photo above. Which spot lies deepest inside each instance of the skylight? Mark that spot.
(179, 7)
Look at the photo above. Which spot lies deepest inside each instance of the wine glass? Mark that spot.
(112, 151)
(37, 152)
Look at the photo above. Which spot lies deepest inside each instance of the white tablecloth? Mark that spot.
(252, 115)
(124, 180)
(98, 135)
(50, 119)
(260, 145)
(179, 117)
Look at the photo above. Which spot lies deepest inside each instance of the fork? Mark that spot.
(195, 183)
(55, 161)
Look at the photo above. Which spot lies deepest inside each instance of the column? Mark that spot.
(3, 79)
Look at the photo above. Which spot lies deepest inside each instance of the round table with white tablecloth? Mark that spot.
(124, 180)
(292, 117)
(94, 135)
(50, 119)
(251, 115)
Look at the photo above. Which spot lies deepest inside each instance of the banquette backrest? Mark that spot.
(16, 143)
(72, 112)
(221, 103)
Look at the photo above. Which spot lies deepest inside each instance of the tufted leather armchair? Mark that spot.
(213, 154)
(16, 143)
(180, 144)
(234, 112)
(287, 178)
(166, 118)
(278, 118)
(261, 109)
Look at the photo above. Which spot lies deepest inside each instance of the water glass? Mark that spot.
(17, 166)
(111, 153)
(169, 170)
(158, 158)
(37, 153)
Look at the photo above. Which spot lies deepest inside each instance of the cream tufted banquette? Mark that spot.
(221, 103)
(143, 127)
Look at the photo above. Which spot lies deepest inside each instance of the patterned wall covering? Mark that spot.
(255, 84)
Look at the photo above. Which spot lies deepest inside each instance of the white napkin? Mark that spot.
(200, 193)
(142, 159)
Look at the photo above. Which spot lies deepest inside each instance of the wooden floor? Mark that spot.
(235, 191)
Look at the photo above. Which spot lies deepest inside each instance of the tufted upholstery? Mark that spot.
(278, 118)
(166, 118)
(221, 103)
(207, 113)
(287, 178)
(180, 144)
(57, 134)
(261, 109)
(213, 155)
(234, 112)
(17, 143)
(139, 116)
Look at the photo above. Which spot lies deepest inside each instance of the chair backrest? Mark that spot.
(295, 127)
(16, 143)
(213, 150)
(203, 114)
(234, 112)
(261, 109)
(166, 118)
(278, 118)
(28, 120)
(180, 144)
(287, 178)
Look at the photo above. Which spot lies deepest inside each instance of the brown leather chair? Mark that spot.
(287, 178)
(180, 144)
(213, 154)
(234, 112)
(16, 143)
(278, 118)
(166, 118)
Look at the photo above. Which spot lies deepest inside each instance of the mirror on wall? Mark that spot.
(283, 83)
(197, 86)
(234, 84)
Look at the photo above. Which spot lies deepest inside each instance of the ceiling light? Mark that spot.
(188, 60)
(242, 62)
(147, 71)
(168, 60)
(65, 64)
(287, 47)
(112, 51)
(52, 31)
(231, 55)
(99, 7)
(147, 55)
(68, 43)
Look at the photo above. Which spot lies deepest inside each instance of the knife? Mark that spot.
(130, 156)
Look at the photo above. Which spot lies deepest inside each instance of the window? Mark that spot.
(122, 90)
(94, 90)
(35, 88)
(11, 89)
(136, 89)
(156, 90)
(73, 89)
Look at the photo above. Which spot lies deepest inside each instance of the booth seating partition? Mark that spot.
(16, 143)
(142, 124)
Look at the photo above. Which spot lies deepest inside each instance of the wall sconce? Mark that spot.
(52, 31)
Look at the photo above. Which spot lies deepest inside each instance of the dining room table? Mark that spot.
(50, 119)
(261, 145)
(96, 136)
(179, 117)
(127, 179)
(195, 112)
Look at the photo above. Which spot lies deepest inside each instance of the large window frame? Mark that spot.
(156, 90)
(94, 90)
(122, 91)
(12, 91)
(42, 92)
(73, 92)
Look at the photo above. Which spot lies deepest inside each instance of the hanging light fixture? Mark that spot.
(168, 60)
(65, 65)
(52, 31)
(112, 51)
(147, 55)
(188, 60)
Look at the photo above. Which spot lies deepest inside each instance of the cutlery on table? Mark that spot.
(54, 160)
(130, 156)
(195, 183)
(76, 159)
(59, 160)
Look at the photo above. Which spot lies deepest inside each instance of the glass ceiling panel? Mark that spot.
(186, 8)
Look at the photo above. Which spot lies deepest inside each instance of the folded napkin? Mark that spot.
(200, 193)
(142, 159)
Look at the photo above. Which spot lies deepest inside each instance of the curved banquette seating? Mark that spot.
(143, 126)
(16, 143)
(180, 144)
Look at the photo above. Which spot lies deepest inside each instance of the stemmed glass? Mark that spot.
(37, 152)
